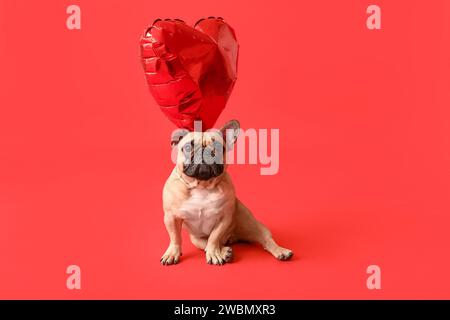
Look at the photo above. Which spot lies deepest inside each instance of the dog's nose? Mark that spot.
(203, 171)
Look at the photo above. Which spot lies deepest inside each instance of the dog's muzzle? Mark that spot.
(203, 171)
(203, 162)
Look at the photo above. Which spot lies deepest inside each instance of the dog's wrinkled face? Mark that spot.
(202, 155)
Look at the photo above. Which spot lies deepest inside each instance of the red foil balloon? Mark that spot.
(190, 71)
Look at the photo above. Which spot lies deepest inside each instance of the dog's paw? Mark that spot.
(171, 256)
(282, 254)
(227, 254)
(219, 256)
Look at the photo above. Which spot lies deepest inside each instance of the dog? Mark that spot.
(200, 196)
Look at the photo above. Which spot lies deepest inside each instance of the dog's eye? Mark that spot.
(188, 147)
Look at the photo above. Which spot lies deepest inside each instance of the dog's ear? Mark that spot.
(177, 135)
(230, 132)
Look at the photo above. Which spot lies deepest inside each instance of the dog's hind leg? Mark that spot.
(249, 229)
(199, 243)
(226, 251)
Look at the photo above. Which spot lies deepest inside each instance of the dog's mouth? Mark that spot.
(203, 171)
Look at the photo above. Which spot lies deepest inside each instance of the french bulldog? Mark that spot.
(200, 196)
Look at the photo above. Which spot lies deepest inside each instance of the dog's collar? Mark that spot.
(186, 183)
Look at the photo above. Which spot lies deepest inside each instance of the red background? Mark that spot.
(364, 153)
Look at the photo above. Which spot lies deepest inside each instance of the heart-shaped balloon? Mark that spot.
(190, 71)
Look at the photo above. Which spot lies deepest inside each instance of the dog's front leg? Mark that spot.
(173, 252)
(216, 253)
